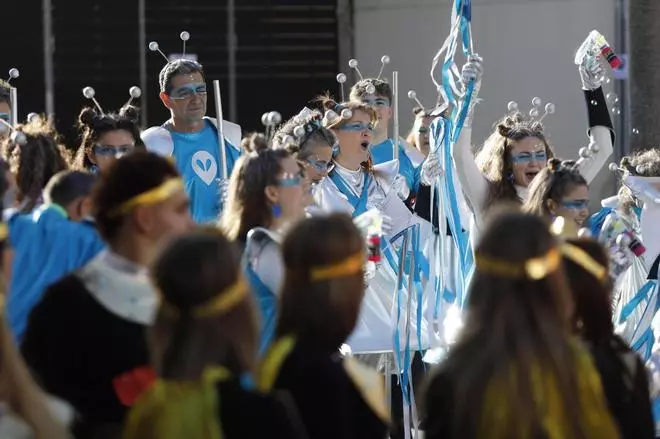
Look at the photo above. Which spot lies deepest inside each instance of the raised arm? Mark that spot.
(472, 181)
(601, 130)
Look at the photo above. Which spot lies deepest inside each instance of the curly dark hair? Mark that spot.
(494, 158)
(93, 125)
(35, 161)
(554, 182)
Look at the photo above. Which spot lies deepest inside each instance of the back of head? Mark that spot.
(323, 284)
(502, 282)
(35, 161)
(516, 326)
(206, 316)
(247, 204)
(554, 182)
(176, 68)
(130, 176)
(254, 142)
(586, 265)
(67, 186)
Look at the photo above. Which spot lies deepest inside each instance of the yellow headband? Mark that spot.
(219, 304)
(534, 268)
(351, 265)
(582, 258)
(152, 196)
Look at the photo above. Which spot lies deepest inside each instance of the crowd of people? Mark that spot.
(326, 278)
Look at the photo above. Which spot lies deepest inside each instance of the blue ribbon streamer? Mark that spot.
(359, 204)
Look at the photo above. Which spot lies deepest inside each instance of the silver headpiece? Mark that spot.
(535, 111)
(89, 93)
(155, 47)
(353, 64)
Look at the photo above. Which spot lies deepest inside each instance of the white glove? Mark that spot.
(473, 70)
(370, 218)
(431, 170)
(592, 72)
(401, 187)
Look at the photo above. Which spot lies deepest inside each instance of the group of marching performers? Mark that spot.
(326, 278)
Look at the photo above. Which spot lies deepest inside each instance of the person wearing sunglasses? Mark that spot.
(267, 195)
(106, 138)
(191, 138)
(559, 190)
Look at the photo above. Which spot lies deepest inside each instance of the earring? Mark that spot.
(510, 177)
(277, 211)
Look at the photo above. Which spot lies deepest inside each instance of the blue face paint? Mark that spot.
(319, 165)
(358, 126)
(291, 180)
(527, 157)
(376, 102)
(575, 204)
(112, 151)
(4, 116)
(187, 91)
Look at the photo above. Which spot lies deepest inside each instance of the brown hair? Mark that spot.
(593, 313)
(494, 158)
(130, 176)
(513, 324)
(314, 134)
(359, 89)
(254, 141)
(247, 204)
(329, 104)
(554, 182)
(19, 390)
(326, 311)
(93, 125)
(35, 161)
(643, 164)
(187, 275)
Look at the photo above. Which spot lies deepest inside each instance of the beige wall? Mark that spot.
(527, 46)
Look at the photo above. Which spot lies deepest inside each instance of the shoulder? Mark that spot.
(158, 140)
(231, 131)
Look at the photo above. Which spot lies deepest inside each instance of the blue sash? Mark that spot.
(359, 204)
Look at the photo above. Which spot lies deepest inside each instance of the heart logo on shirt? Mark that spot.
(205, 166)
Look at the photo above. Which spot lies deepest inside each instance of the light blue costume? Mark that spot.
(263, 268)
(197, 158)
(46, 246)
(384, 152)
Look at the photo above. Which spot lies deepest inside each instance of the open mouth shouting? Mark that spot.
(530, 176)
(365, 145)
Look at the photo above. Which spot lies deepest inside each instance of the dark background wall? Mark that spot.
(287, 53)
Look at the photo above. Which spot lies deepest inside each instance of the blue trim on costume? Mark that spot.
(359, 204)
